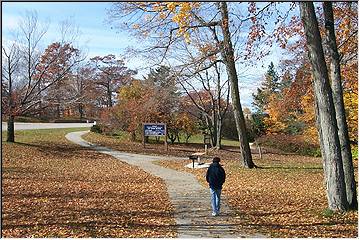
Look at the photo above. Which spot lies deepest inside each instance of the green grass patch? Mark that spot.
(355, 152)
(124, 136)
(327, 213)
(35, 135)
(199, 138)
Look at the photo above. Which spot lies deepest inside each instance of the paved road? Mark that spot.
(190, 200)
(24, 126)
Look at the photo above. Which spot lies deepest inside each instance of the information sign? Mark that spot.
(154, 129)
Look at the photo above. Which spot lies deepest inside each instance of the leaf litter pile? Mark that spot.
(53, 188)
(284, 197)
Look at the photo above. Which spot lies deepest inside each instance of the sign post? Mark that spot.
(155, 130)
(207, 141)
(166, 144)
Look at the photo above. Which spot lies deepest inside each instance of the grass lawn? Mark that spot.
(200, 139)
(284, 197)
(197, 139)
(53, 188)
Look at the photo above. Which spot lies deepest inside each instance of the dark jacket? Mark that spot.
(215, 175)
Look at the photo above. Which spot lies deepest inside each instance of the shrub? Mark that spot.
(96, 129)
(291, 144)
(310, 151)
(229, 130)
(28, 119)
(70, 120)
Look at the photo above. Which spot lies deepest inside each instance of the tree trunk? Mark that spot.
(11, 117)
(215, 129)
(172, 137)
(337, 91)
(187, 139)
(218, 110)
(10, 129)
(334, 174)
(229, 59)
(133, 136)
(109, 95)
(217, 125)
(210, 126)
(58, 115)
(219, 129)
(81, 111)
(40, 115)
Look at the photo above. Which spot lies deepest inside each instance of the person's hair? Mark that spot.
(216, 159)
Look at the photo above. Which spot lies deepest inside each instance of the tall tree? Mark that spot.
(53, 74)
(228, 57)
(298, 98)
(163, 81)
(211, 100)
(36, 66)
(269, 86)
(326, 116)
(10, 64)
(337, 94)
(111, 73)
(140, 102)
(81, 89)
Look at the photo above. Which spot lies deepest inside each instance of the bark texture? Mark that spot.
(333, 168)
(337, 91)
(228, 57)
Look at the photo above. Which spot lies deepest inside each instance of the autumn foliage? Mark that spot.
(154, 99)
(291, 109)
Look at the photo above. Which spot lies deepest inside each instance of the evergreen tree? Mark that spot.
(269, 86)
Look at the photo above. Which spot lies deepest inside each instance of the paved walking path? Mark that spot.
(190, 200)
(30, 126)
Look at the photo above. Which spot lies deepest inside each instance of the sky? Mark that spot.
(98, 38)
(95, 34)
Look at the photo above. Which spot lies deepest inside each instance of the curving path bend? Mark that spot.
(190, 200)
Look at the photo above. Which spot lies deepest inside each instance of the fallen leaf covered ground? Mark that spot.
(53, 188)
(284, 197)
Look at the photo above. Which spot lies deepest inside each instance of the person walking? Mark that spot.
(215, 176)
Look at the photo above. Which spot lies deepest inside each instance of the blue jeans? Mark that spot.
(215, 200)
